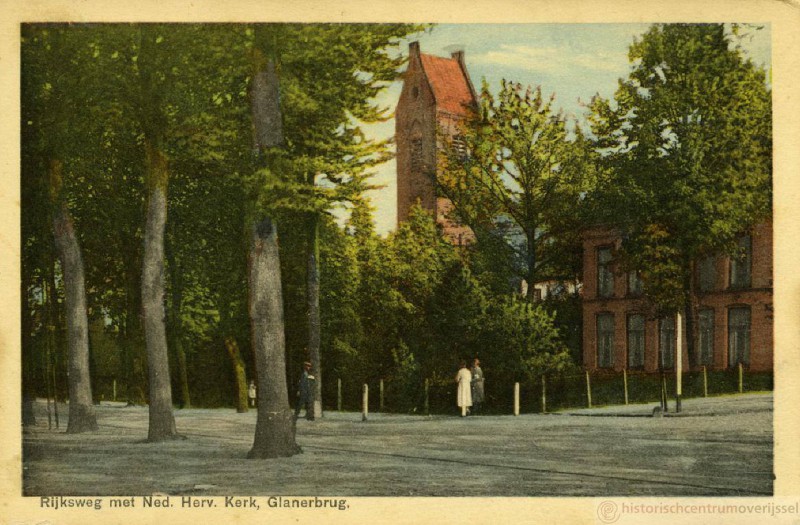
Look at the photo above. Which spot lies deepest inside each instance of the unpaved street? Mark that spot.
(716, 446)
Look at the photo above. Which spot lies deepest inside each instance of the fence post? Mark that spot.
(544, 394)
(588, 391)
(339, 394)
(365, 403)
(625, 383)
(741, 378)
(380, 403)
(114, 385)
(678, 362)
(427, 398)
(516, 399)
(705, 382)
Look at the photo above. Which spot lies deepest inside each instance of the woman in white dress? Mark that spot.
(464, 392)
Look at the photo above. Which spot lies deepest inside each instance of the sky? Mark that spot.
(572, 61)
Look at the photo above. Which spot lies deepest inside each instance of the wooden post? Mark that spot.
(741, 381)
(114, 386)
(516, 399)
(339, 394)
(625, 383)
(588, 391)
(544, 394)
(427, 399)
(705, 382)
(365, 403)
(380, 403)
(678, 362)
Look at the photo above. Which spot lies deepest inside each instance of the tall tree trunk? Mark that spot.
(240, 378)
(531, 261)
(81, 408)
(52, 324)
(162, 422)
(690, 313)
(176, 332)
(312, 298)
(28, 356)
(275, 425)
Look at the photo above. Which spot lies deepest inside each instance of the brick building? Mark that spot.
(735, 321)
(437, 94)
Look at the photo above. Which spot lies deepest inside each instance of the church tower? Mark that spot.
(437, 94)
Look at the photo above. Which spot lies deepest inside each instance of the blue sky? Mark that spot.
(574, 61)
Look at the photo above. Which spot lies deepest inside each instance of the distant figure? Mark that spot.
(305, 393)
(477, 385)
(464, 394)
(251, 393)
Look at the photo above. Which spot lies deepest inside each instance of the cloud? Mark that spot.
(558, 61)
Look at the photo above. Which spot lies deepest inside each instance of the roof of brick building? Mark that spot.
(449, 83)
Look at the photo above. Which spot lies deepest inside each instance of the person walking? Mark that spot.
(464, 393)
(477, 385)
(305, 393)
(251, 393)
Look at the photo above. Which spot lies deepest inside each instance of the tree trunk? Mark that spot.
(531, 260)
(28, 357)
(240, 378)
(275, 425)
(690, 313)
(176, 287)
(162, 422)
(81, 408)
(312, 298)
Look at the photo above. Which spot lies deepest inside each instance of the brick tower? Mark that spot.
(437, 94)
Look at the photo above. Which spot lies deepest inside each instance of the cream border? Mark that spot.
(783, 15)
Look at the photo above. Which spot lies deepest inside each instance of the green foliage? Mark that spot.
(516, 158)
(522, 340)
(687, 153)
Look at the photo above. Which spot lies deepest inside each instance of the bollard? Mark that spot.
(678, 363)
(427, 404)
(380, 399)
(339, 394)
(588, 391)
(114, 386)
(625, 383)
(516, 399)
(544, 394)
(705, 382)
(741, 378)
(365, 403)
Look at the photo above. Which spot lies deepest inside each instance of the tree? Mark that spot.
(687, 157)
(275, 425)
(323, 115)
(50, 55)
(515, 159)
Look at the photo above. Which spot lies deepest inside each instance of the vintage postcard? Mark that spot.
(400, 262)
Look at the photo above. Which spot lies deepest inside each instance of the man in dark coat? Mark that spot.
(305, 393)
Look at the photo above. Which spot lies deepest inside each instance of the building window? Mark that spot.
(460, 147)
(636, 341)
(417, 165)
(738, 336)
(635, 284)
(605, 277)
(537, 295)
(705, 337)
(740, 264)
(708, 274)
(666, 342)
(605, 340)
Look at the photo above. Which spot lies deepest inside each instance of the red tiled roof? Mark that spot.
(450, 85)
